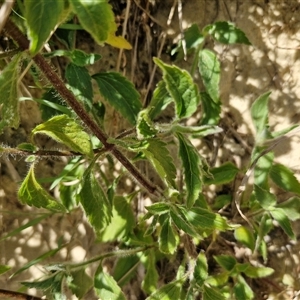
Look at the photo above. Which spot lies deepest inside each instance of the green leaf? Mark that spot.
(9, 94)
(150, 230)
(32, 194)
(27, 147)
(168, 239)
(265, 198)
(242, 290)
(262, 167)
(258, 272)
(65, 130)
(149, 284)
(26, 225)
(4, 269)
(158, 154)
(106, 287)
(170, 291)
(81, 283)
(122, 221)
(259, 113)
(160, 100)
(181, 87)
(284, 178)
(78, 57)
(120, 93)
(291, 208)
(227, 33)
(94, 202)
(201, 269)
(209, 68)
(279, 215)
(245, 236)
(39, 30)
(210, 110)
(145, 128)
(125, 269)
(282, 132)
(226, 261)
(181, 222)
(96, 17)
(193, 37)
(158, 208)
(80, 83)
(197, 131)
(223, 174)
(192, 169)
(211, 293)
(43, 284)
(221, 201)
(204, 219)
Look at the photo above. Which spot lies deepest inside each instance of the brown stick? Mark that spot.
(13, 31)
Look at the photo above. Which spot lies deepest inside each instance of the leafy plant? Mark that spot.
(181, 218)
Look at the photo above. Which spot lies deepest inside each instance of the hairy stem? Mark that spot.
(71, 100)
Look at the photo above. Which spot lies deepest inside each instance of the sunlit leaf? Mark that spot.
(291, 208)
(150, 281)
(201, 269)
(157, 152)
(4, 269)
(258, 272)
(279, 215)
(65, 130)
(209, 68)
(145, 128)
(226, 33)
(120, 93)
(168, 239)
(181, 87)
(242, 290)
(169, 291)
(221, 175)
(243, 235)
(192, 169)
(181, 222)
(118, 42)
(33, 194)
(211, 293)
(78, 57)
(193, 37)
(122, 221)
(94, 202)
(96, 17)
(81, 283)
(265, 198)
(106, 287)
(9, 94)
(80, 83)
(210, 110)
(160, 100)
(226, 261)
(36, 12)
(259, 112)
(284, 178)
(158, 208)
(205, 219)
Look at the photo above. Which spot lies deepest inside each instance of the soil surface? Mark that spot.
(271, 63)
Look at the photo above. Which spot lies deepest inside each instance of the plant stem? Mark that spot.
(48, 71)
(119, 253)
